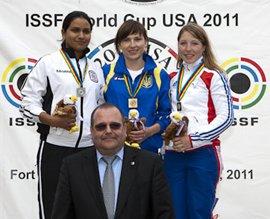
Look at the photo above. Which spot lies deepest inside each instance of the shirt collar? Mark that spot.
(119, 154)
(192, 66)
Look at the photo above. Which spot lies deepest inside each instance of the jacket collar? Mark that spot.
(191, 67)
(71, 52)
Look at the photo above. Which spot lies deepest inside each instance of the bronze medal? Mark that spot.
(179, 106)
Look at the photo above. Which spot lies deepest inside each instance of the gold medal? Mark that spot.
(132, 102)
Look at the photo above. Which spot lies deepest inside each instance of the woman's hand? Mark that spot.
(64, 122)
(141, 135)
(181, 144)
(138, 136)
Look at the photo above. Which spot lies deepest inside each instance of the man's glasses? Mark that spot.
(103, 126)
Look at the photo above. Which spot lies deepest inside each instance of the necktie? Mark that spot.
(108, 186)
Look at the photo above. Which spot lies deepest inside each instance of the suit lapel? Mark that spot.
(90, 171)
(128, 175)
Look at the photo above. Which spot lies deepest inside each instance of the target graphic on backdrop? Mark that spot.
(247, 80)
(13, 78)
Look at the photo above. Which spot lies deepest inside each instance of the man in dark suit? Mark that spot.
(139, 187)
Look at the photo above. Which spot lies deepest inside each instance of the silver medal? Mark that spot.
(80, 91)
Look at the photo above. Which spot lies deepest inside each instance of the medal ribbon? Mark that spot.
(74, 73)
(181, 91)
(129, 86)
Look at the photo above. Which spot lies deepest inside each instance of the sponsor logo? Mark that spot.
(13, 77)
(247, 80)
(118, 78)
(62, 71)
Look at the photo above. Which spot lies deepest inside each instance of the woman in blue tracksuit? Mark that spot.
(200, 91)
(135, 82)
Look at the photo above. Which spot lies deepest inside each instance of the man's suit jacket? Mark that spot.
(143, 191)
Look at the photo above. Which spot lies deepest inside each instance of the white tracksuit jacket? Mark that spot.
(207, 104)
(49, 81)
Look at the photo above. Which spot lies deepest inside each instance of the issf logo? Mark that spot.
(13, 77)
(247, 80)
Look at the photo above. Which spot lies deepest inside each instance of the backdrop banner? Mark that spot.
(240, 34)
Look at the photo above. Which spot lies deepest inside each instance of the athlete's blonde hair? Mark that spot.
(199, 33)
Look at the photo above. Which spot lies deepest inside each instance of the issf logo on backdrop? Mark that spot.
(248, 86)
(13, 77)
(247, 80)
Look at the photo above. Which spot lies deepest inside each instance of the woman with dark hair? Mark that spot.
(199, 90)
(136, 82)
(66, 71)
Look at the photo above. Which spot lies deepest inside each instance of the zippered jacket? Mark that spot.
(207, 103)
(48, 82)
(153, 96)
